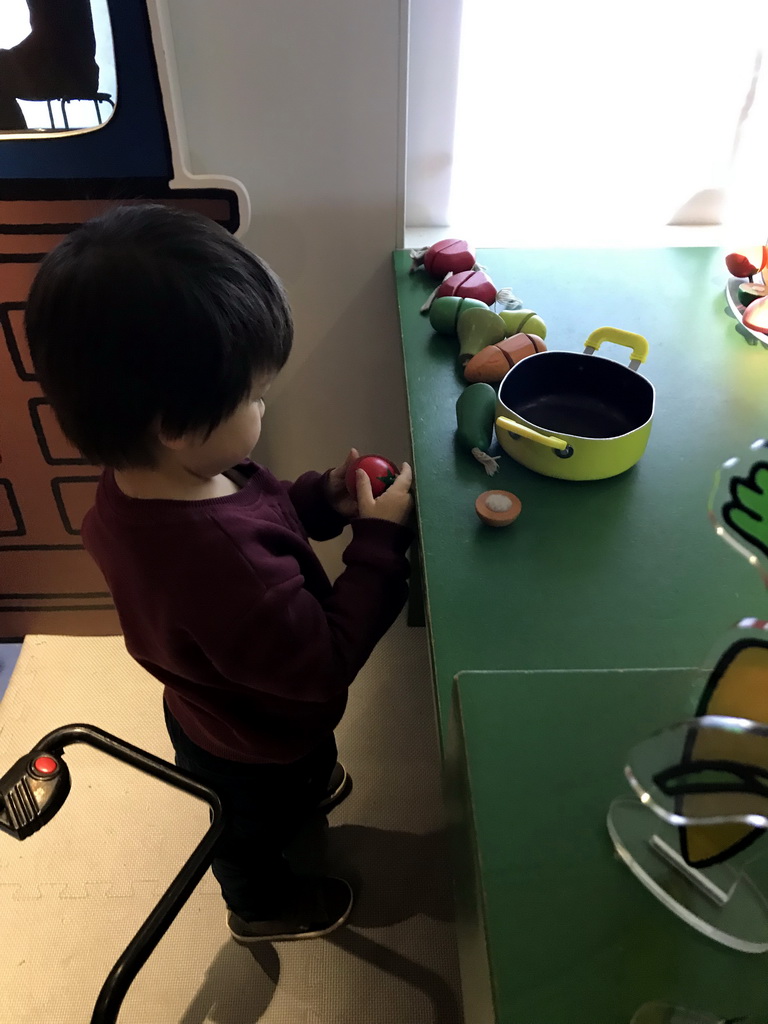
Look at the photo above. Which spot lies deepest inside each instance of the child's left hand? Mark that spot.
(336, 489)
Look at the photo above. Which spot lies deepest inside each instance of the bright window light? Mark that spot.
(14, 24)
(602, 122)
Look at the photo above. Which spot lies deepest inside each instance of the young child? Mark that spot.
(156, 334)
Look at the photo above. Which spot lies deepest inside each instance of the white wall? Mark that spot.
(434, 48)
(302, 102)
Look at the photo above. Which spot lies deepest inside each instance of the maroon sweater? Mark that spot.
(225, 602)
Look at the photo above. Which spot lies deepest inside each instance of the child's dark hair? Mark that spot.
(150, 319)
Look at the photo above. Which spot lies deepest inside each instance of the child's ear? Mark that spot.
(174, 444)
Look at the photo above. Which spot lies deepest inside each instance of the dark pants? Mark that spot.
(265, 806)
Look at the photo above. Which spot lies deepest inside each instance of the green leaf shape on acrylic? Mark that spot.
(747, 511)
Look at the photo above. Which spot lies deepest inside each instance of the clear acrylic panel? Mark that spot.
(738, 504)
(704, 771)
(722, 901)
(693, 836)
(736, 682)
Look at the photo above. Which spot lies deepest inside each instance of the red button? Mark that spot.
(45, 766)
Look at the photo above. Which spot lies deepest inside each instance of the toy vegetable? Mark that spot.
(380, 471)
(475, 416)
(523, 321)
(492, 363)
(447, 256)
(478, 328)
(445, 312)
(470, 284)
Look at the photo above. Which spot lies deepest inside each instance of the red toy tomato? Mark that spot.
(381, 472)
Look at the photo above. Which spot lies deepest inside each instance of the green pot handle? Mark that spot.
(636, 342)
(514, 427)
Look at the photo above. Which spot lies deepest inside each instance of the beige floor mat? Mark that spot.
(73, 895)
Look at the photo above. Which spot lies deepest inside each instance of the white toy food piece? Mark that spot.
(498, 508)
(498, 502)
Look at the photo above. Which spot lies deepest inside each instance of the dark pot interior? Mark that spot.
(570, 393)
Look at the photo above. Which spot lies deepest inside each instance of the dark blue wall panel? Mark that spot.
(133, 144)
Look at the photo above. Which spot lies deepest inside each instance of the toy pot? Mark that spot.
(573, 416)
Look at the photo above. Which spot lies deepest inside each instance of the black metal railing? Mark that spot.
(36, 787)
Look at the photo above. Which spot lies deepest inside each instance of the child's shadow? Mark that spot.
(232, 993)
(395, 875)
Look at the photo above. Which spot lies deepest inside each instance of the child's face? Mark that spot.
(231, 442)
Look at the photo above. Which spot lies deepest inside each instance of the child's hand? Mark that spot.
(394, 504)
(336, 490)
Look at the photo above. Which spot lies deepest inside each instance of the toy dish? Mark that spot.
(498, 508)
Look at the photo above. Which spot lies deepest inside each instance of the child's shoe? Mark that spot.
(339, 786)
(322, 905)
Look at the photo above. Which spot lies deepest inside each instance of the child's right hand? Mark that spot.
(394, 505)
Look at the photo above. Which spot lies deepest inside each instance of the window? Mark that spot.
(589, 123)
(53, 78)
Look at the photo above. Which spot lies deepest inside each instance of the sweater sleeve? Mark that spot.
(292, 645)
(318, 517)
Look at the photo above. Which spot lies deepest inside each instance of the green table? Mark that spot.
(617, 574)
(553, 928)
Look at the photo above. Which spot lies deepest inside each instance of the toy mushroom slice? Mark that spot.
(498, 508)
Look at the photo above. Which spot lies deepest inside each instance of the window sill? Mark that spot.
(502, 238)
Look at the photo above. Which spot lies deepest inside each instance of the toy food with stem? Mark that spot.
(475, 416)
(380, 471)
(498, 508)
(476, 329)
(448, 256)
